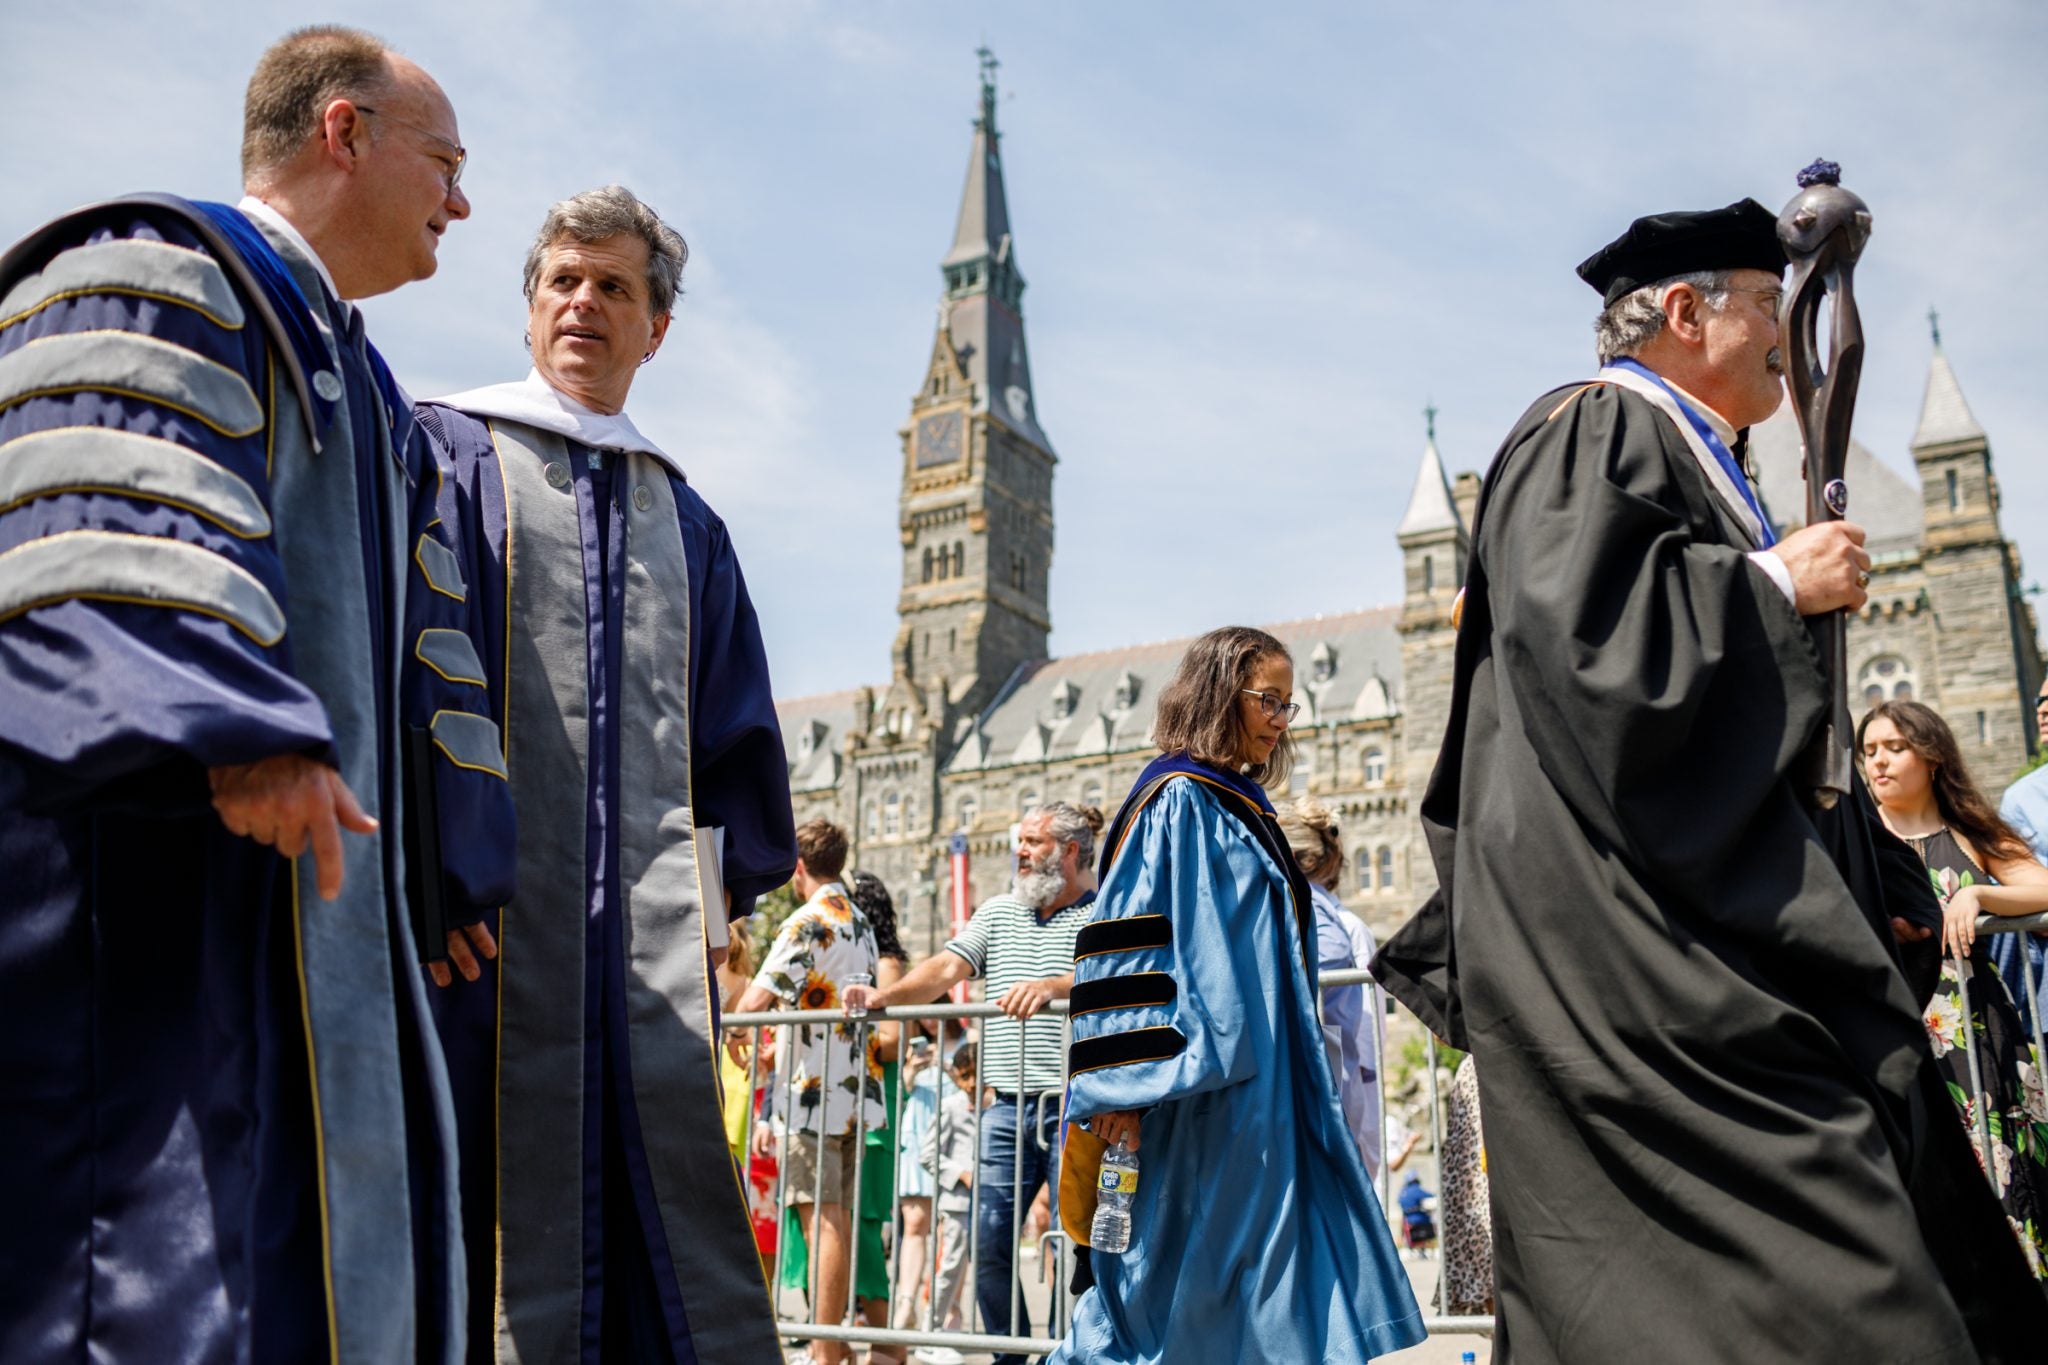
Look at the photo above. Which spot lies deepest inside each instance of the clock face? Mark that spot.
(938, 439)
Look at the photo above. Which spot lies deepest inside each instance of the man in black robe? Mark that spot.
(1714, 1131)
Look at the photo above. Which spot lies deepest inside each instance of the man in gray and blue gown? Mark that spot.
(626, 663)
(225, 1133)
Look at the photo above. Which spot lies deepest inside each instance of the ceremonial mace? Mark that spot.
(1824, 229)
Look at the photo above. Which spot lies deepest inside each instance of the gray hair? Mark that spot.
(613, 211)
(1071, 825)
(1632, 321)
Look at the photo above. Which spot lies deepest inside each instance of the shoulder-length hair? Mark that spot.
(1965, 809)
(1198, 713)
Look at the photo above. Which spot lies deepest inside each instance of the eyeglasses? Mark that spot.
(1270, 705)
(1776, 296)
(453, 177)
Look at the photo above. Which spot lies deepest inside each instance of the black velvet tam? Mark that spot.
(1743, 236)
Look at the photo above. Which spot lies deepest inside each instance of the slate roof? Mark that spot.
(814, 731)
(1104, 702)
(1884, 502)
(1944, 414)
(1430, 505)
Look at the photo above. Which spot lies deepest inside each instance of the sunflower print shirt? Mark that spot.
(837, 1078)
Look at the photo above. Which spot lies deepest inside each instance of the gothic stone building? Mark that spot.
(976, 725)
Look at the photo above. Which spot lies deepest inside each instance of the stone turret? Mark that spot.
(1433, 549)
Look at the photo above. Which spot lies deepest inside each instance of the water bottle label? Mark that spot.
(1114, 1180)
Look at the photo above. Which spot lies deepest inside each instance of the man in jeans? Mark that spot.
(1022, 946)
(838, 1090)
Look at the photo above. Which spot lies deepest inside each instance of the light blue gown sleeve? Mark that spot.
(1186, 937)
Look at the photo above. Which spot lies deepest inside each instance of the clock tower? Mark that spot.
(976, 509)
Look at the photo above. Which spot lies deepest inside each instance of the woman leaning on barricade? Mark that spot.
(1253, 1230)
(1979, 865)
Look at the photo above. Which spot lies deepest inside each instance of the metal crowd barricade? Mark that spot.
(1038, 1124)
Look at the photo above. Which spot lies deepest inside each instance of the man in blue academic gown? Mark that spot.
(224, 1126)
(646, 764)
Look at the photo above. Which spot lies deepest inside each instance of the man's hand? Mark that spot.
(1905, 931)
(861, 998)
(1118, 1124)
(459, 941)
(1828, 565)
(1027, 998)
(289, 801)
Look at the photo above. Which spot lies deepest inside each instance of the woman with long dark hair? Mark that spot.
(1979, 866)
(1254, 1233)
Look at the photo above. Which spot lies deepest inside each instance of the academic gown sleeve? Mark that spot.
(1664, 682)
(445, 691)
(142, 595)
(1171, 976)
(739, 776)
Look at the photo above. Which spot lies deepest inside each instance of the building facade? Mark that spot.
(976, 725)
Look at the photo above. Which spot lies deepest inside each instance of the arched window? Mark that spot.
(1384, 860)
(892, 815)
(970, 810)
(1361, 858)
(927, 563)
(910, 815)
(872, 819)
(1886, 676)
(1375, 766)
(1429, 573)
(959, 559)
(1027, 802)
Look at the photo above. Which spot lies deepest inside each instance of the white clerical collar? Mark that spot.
(538, 403)
(279, 224)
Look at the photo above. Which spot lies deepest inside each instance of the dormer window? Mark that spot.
(1065, 696)
(1126, 694)
(1322, 664)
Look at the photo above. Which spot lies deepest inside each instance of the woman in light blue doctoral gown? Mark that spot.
(1254, 1235)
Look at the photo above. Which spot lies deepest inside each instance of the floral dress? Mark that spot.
(837, 1079)
(2017, 1113)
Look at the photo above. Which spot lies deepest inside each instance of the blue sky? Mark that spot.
(1258, 240)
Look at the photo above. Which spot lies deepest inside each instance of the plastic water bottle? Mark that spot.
(1115, 1190)
(1469, 1358)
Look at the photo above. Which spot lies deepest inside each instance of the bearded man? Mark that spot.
(1022, 946)
(229, 620)
(619, 646)
(1719, 1127)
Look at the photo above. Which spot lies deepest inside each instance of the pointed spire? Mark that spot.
(1430, 506)
(982, 312)
(983, 229)
(1944, 414)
